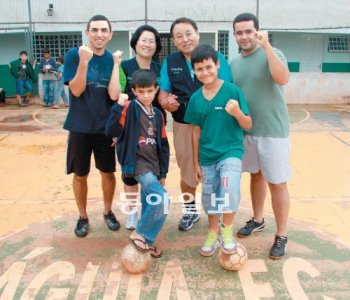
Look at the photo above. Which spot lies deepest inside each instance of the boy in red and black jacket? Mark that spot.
(143, 153)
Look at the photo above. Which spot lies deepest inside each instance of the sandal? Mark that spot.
(139, 244)
(154, 251)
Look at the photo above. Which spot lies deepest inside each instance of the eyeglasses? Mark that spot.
(150, 42)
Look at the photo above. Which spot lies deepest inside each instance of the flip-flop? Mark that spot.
(138, 247)
(154, 252)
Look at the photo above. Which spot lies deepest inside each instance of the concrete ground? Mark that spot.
(40, 257)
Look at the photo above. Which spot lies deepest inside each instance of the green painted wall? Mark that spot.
(335, 67)
(294, 66)
(8, 83)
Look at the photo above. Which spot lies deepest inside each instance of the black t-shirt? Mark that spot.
(89, 112)
(22, 71)
(146, 153)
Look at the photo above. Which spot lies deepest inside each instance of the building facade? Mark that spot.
(314, 35)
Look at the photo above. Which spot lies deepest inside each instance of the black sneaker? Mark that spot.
(82, 228)
(111, 221)
(279, 247)
(251, 227)
(187, 221)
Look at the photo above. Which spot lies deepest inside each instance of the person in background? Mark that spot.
(59, 91)
(22, 70)
(48, 69)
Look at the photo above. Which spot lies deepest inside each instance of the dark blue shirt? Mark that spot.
(89, 112)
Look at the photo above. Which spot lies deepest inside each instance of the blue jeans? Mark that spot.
(155, 203)
(22, 85)
(60, 92)
(221, 186)
(49, 89)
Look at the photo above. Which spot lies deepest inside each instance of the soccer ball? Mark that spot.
(234, 261)
(135, 261)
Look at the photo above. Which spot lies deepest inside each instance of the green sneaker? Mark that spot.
(212, 242)
(229, 244)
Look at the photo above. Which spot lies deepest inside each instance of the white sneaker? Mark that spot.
(131, 221)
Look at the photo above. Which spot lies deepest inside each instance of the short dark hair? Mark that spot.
(60, 59)
(202, 52)
(23, 52)
(246, 17)
(99, 18)
(183, 20)
(46, 51)
(143, 78)
(135, 37)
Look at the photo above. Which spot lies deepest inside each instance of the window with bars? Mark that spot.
(167, 47)
(223, 43)
(57, 43)
(338, 44)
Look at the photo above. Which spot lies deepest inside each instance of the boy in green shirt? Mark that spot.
(218, 113)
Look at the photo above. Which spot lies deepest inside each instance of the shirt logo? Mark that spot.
(150, 131)
(176, 71)
(146, 141)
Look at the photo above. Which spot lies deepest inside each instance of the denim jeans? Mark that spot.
(49, 89)
(155, 203)
(22, 85)
(221, 186)
(60, 92)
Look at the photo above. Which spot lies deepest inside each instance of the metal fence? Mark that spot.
(33, 25)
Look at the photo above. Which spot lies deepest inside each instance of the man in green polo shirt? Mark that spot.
(260, 72)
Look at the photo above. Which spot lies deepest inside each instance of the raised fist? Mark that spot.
(122, 99)
(262, 37)
(85, 53)
(232, 107)
(117, 57)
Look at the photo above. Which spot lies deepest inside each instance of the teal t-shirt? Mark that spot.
(221, 136)
(265, 99)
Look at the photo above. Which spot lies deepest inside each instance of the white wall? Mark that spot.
(273, 13)
(289, 44)
(320, 88)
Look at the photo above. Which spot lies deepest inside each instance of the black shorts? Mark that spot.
(82, 145)
(130, 181)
